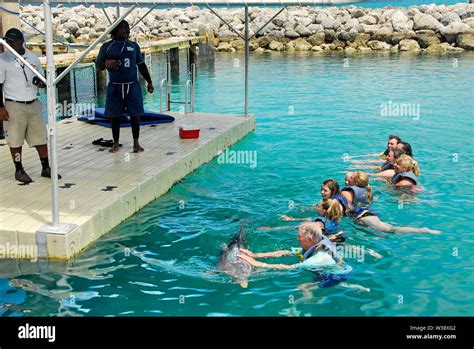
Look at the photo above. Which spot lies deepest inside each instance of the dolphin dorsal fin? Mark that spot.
(241, 234)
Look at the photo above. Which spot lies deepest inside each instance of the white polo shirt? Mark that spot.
(17, 79)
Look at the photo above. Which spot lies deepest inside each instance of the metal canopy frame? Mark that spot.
(51, 81)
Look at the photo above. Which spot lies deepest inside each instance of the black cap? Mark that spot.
(13, 34)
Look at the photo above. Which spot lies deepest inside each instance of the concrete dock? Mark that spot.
(99, 190)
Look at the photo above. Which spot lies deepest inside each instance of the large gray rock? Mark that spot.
(67, 16)
(275, 35)
(347, 36)
(238, 44)
(71, 27)
(83, 31)
(403, 26)
(301, 44)
(225, 47)
(315, 28)
(412, 12)
(362, 39)
(451, 31)
(443, 47)
(184, 19)
(352, 24)
(330, 23)
(383, 34)
(291, 34)
(424, 21)
(469, 22)
(367, 20)
(449, 18)
(369, 29)
(276, 46)
(400, 21)
(192, 14)
(427, 38)
(409, 45)
(358, 13)
(303, 20)
(225, 35)
(317, 39)
(378, 45)
(466, 41)
(264, 42)
(329, 35)
(303, 30)
(399, 36)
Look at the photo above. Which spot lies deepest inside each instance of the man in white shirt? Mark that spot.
(22, 113)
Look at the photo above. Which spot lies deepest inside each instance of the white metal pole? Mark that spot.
(51, 94)
(247, 50)
(23, 60)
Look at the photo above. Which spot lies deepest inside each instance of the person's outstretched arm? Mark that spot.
(273, 254)
(258, 264)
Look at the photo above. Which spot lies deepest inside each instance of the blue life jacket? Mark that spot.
(386, 166)
(399, 176)
(329, 246)
(360, 195)
(342, 200)
(330, 226)
(361, 202)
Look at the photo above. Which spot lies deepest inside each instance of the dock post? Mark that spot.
(192, 55)
(247, 50)
(174, 61)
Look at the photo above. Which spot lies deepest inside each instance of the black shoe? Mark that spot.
(21, 176)
(47, 173)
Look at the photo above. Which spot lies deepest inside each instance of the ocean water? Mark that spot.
(311, 111)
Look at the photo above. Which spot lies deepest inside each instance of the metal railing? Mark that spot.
(166, 85)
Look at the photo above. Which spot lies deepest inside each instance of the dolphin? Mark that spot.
(229, 262)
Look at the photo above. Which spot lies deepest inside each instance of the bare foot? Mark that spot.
(431, 231)
(115, 148)
(137, 148)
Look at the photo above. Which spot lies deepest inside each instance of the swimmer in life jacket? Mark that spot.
(358, 195)
(316, 253)
(386, 171)
(331, 209)
(391, 144)
(406, 172)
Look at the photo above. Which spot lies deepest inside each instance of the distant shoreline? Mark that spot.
(353, 29)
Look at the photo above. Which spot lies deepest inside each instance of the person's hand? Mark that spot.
(247, 252)
(286, 218)
(4, 114)
(150, 88)
(41, 84)
(249, 260)
(112, 64)
(320, 210)
(281, 253)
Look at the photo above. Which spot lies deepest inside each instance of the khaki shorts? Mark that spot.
(25, 123)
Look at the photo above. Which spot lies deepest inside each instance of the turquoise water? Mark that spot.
(311, 110)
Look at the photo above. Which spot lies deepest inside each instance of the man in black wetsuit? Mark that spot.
(121, 58)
